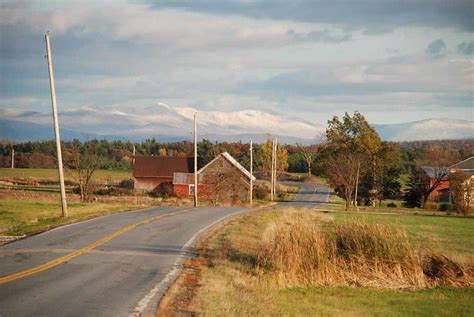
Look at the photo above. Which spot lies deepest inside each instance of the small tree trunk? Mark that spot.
(309, 169)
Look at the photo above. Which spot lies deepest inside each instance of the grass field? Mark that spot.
(226, 282)
(52, 174)
(19, 217)
(450, 234)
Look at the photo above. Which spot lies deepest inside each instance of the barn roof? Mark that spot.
(233, 161)
(467, 166)
(161, 166)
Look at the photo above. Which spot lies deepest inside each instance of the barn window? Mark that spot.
(191, 189)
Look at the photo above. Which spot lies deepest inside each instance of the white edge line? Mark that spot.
(176, 269)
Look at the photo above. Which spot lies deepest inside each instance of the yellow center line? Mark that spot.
(87, 248)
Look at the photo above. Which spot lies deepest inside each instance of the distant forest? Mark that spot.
(117, 155)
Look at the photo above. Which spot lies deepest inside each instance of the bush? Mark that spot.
(164, 190)
(260, 193)
(430, 205)
(127, 184)
(446, 207)
(392, 205)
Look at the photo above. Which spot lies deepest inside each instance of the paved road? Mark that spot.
(309, 195)
(116, 278)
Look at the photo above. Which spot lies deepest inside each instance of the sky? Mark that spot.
(394, 61)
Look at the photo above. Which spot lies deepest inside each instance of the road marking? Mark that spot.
(163, 285)
(87, 248)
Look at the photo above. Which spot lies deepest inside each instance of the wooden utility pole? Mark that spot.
(13, 158)
(195, 162)
(56, 125)
(134, 151)
(272, 173)
(251, 174)
(275, 178)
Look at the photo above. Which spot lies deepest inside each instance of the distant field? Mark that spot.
(52, 174)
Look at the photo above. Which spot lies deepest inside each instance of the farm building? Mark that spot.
(442, 192)
(151, 172)
(223, 180)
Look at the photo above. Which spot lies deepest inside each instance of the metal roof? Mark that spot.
(161, 166)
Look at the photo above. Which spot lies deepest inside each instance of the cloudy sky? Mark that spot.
(394, 61)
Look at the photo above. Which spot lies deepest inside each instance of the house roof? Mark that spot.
(233, 161)
(161, 166)
(467, 166)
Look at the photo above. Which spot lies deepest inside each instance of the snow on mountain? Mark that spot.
(165, 122)
(431, 129)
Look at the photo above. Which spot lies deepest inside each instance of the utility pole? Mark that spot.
(56, 125)
(195, 162)
(13, 158)
(251, 174)
(275, 178)
(272, 173)
(134, 151)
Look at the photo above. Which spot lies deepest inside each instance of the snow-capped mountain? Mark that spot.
(166, 123)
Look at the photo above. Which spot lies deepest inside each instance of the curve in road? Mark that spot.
(119, 277)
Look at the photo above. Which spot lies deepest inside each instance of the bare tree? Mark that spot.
(309, 153)
(437, 162)
(82, 161)
(224, 186)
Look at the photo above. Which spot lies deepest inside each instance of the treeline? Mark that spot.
(117, 155)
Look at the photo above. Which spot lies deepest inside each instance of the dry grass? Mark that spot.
(296, 252)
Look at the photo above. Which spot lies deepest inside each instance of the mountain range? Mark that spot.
(166, 123)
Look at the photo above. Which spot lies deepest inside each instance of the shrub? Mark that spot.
(260, 193)
(392, 205)
(127, 184)
(446, 207)
(430, 205)
(164, 190)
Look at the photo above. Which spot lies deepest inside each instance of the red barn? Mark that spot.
(150, 172)
(442, 192)
(223, 180)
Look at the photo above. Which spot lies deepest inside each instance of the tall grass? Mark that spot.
(297, 252)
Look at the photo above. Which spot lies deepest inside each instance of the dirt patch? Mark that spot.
(178, 298)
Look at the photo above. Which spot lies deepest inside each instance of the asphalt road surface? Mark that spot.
(118, 265)
(309, 195)
(123, 274)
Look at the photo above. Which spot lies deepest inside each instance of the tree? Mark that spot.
(418, 184)
(83, 161)
(308, 153)
(460, 187)
(266, 152)
(438, 159)
(349, 153)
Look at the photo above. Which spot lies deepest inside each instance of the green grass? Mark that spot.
(52, 174)
(450, 234)
(18, 217)
(345, 301)
(229, 284)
